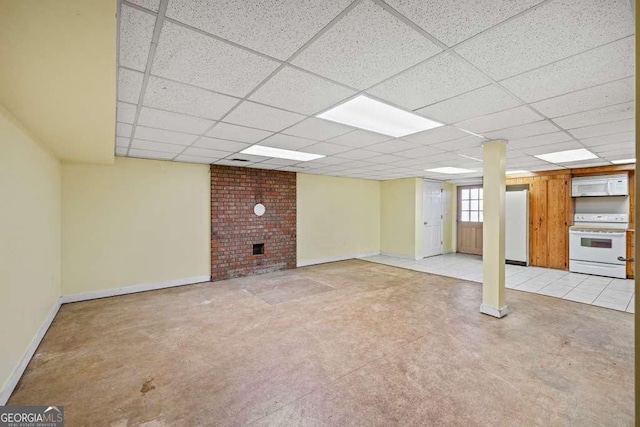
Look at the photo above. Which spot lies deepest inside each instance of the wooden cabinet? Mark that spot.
(549, 215)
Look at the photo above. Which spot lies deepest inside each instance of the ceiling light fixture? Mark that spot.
(278, 153)
(366, 113)
(623, 161)
(516, 172)
(567, 156)
(449, 170)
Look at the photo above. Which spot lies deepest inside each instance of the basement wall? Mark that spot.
(137, 222)
(30, 230)
(401, 203)
(338, 218)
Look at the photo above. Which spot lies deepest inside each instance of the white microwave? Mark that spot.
(608, 185)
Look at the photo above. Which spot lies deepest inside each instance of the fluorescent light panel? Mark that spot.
(567, 156)
(366, 113)
(623, 161)
(278, 153)
(449, 170)
(516, 172)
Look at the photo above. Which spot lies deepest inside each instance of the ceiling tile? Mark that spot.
(300, 91)
(326, 148)
(160, 119)
(551, 32)
(156, 146)
(468, 141)
(126, 113)
(562, 146)
(287, 142)
(385, 160)
(262, 117)
(220, 144)
(204, 152)
(129, 85)
(504, 119)
(146, 154)
(618, 146)
(441, 77)
(393, 146)
(122, 141)
(600, 115)
(160, 135)
(601, 65)
(229, 161)
(366, 46)
(327, 161)
(194, 159)
(121, 151)
(359, 138)
(424, 151)
(237, 133)
(359, 154)
(535, 141)
(523, 131)
(604, 129)
(609, 139)
(454, 21)
(147, 4)
(189, 57)
(276, 28)
(587, 164)
(588, 99)
(479, 102)
(317, 129)
(136, 32)
(123, 129)
(433, 136)
(625, 153)
(182, 98)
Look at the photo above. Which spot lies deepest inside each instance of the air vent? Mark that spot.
(239, 160)
(258, 249)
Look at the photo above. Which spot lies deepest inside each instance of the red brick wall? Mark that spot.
(235, 228)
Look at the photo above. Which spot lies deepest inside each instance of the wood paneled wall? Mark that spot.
(551, 210)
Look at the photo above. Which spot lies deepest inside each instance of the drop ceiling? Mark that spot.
(201, 81)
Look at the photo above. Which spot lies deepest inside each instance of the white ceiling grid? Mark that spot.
(199, 81)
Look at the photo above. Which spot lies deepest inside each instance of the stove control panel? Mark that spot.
(610, 218)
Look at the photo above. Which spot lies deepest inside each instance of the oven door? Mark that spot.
(597, 246)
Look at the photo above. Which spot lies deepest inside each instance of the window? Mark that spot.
(471, 205)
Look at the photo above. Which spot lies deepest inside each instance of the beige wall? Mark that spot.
(58, 73)
(30, 219)
(135, 222)
(338, 218)
(449, 208)
(401, 217)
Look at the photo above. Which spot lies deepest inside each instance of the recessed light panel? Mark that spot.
(366, 113)
(567, 156)
(449, 170)
(278, 153)
(516, 172)
(623, 161)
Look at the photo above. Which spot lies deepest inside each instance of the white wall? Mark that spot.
(30, 227)
(132, 223)
(337, 218)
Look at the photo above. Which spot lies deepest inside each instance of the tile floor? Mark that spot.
(616, 294)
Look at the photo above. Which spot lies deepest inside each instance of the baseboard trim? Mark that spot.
(492, 311)
(26, 358)
(403, 256)
(65, 299)
(334, 259)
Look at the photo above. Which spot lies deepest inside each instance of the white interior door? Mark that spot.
(432, 218)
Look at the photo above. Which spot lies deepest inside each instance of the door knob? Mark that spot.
(623, 259)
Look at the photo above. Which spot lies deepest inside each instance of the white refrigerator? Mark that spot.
(517, 227)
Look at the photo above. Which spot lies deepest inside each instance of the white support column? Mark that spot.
(493, 238)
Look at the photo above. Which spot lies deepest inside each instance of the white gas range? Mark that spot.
(598, 244)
